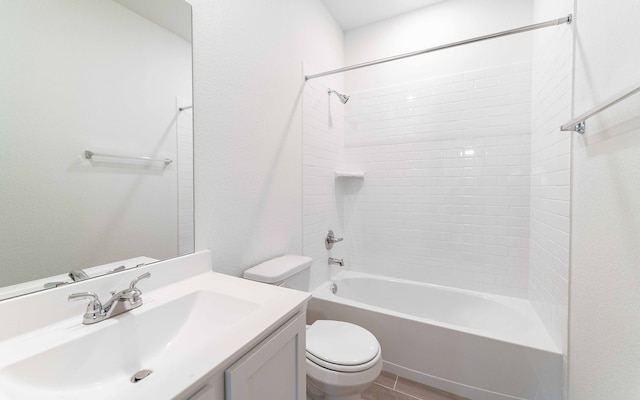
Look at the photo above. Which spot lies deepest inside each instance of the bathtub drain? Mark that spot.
(333, 288)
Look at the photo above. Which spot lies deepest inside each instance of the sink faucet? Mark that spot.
(336, 261)
(122, 301)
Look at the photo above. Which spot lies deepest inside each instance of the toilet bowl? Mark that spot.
(342, 359)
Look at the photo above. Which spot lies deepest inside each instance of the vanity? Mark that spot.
(202, 335)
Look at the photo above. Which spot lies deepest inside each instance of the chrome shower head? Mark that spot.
(343, 97)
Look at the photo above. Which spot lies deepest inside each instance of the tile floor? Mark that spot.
(392, 387)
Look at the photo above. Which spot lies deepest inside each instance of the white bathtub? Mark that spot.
(476, 345)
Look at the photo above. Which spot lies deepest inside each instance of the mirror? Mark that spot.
(88, 88)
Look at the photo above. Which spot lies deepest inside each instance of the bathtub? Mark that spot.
(476, 345)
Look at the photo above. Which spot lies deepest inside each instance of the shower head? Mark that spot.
(343, 97)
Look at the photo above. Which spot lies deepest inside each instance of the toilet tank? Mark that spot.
(289, 271)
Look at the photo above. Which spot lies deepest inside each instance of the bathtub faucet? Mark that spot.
(336, 261)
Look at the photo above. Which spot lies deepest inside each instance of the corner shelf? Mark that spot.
(349, 174)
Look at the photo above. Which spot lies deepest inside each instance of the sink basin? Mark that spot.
(71, 360)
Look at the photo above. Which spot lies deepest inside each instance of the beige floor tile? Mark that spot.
(424, 392)
(386, 379)
(377, 392)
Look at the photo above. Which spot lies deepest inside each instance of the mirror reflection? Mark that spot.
(95, 138)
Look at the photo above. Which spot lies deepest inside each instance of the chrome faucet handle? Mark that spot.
(331, 239)
(134, 282)
(94, 306)
(133, 292)
(78, 275)
(113, 271)
(50, 285)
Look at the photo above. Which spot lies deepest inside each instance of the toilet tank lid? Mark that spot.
(278, 269)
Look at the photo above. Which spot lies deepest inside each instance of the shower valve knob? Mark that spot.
(331, 239)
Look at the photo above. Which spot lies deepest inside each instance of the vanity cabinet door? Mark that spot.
(275, 369)
(213, 390)
(210, 392)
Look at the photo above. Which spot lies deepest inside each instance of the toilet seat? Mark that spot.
(341, 346)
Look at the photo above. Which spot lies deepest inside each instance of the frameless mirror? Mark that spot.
(96, 138)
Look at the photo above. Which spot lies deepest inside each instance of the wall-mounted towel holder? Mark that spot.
(579, 123)
(88, 154)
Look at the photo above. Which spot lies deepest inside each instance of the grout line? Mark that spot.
(409, 395)
(397, 391)
(406, 394)
(394, 389)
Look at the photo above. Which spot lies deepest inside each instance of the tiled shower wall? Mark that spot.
(550, 180)
(323, 144)
(446, 193)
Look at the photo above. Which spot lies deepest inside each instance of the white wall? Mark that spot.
(550, 169)
(248, 123)
(435, 25)
(604, 351)
(71, 81)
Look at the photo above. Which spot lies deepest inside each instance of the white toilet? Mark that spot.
(343, 359)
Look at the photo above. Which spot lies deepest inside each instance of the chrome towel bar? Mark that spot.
(88, 154)
(578, 124)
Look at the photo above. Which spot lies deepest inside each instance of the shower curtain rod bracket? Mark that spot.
(580, 127)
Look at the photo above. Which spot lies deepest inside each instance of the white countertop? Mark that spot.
(179, 367)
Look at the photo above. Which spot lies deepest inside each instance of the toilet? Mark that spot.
(343, 359)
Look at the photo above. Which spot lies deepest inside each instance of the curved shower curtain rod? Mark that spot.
(553, 22)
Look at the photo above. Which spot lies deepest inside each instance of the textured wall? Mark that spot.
(604, 351)
(248, 123)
